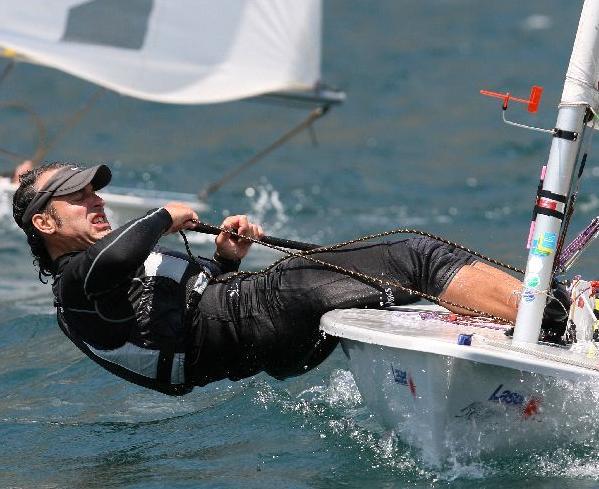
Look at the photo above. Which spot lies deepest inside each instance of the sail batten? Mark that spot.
(183, 51)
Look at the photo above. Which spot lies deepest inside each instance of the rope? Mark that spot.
(7, 69)
(428, 235)
(41, 132)
(71, 122)
(306, 255)
(12, 155)
(42, 148)
(188, 249)
(213, 187)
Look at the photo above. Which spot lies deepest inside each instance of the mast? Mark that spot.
(580, 94)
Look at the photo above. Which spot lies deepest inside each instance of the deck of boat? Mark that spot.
(433, 329)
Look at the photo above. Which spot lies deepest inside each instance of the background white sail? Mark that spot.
(582, 77)
(176, 51)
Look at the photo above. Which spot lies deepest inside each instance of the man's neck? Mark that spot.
(56, 250)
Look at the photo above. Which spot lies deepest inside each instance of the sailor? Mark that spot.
(20, 169)
(169, 321)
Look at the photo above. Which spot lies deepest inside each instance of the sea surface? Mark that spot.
(414, 146)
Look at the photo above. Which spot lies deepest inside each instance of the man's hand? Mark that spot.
(183, 217)
(231, 247)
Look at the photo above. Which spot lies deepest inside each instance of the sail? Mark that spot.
(175, 51)
(582, 77)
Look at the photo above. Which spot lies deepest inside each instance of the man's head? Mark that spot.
(59, 211)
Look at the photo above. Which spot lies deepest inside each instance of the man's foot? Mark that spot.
(546, 336)
(555, 317)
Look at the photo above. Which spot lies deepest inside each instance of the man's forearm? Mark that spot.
(121, 252)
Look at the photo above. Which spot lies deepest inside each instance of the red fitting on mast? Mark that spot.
(532, 102)
(535, 98)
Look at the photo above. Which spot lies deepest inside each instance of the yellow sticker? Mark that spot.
(8, 53)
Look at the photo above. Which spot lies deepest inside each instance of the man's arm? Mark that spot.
(115, 257)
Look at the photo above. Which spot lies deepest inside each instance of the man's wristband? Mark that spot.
(226, 264)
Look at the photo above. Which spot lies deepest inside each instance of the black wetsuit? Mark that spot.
(156, 318)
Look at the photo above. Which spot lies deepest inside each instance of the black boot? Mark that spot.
(555, 317)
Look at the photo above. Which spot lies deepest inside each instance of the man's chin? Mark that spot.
(104, 232)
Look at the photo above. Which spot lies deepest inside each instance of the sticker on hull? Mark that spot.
(403, 377)
(529, 406)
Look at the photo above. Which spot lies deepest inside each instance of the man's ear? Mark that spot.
(44, 223)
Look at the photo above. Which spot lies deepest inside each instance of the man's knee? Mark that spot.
(436, 263)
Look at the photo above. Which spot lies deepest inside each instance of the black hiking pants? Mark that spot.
(270, 321)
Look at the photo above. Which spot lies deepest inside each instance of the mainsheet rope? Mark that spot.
(36, 120)
(368, 278)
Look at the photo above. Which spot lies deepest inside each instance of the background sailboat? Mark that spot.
(187, 52)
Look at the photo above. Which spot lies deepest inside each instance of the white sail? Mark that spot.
(582, 78)
(175, 51)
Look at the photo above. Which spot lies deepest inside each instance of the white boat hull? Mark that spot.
(457, 401)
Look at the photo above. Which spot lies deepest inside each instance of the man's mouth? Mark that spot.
(100, 221)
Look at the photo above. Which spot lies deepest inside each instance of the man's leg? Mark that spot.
(271, 321)
(302, 291)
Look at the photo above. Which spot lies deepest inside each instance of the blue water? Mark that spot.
(414, 146)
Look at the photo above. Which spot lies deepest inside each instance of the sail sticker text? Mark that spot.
(403, 377)
(506, 396)
(475, 410)
(528, 295)
(544, 244)
(530, 406)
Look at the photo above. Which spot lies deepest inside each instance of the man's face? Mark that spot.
(76, 221)
(81, 217)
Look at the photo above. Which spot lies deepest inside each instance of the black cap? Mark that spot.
(66, 181)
